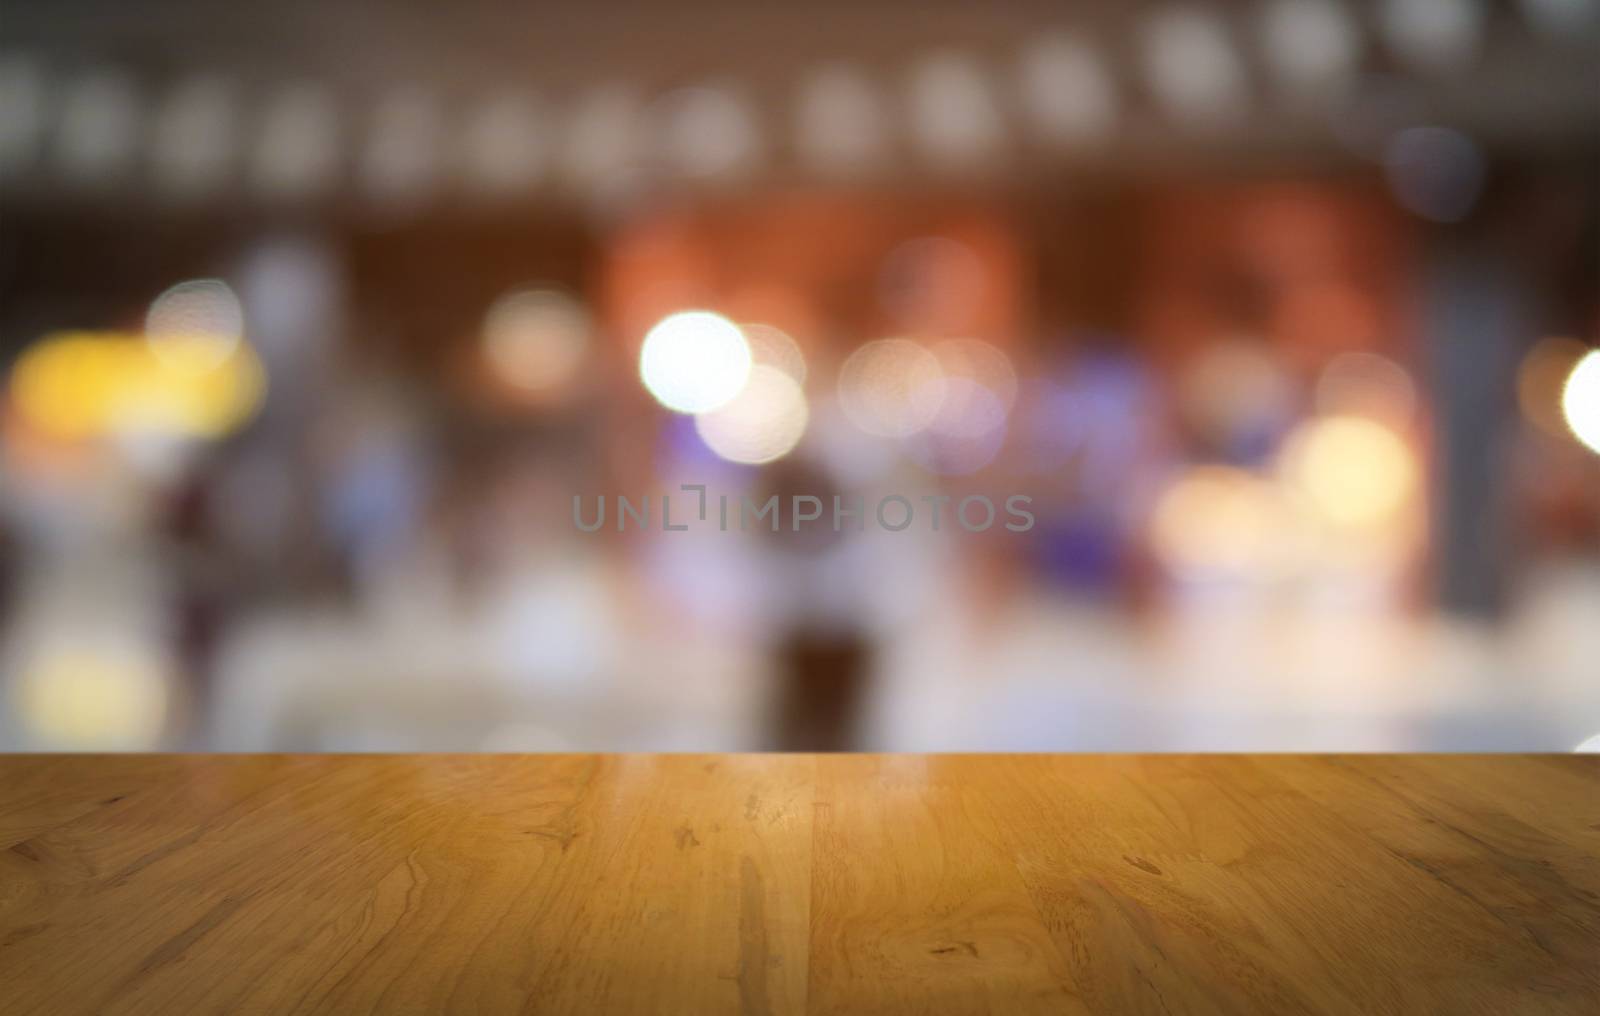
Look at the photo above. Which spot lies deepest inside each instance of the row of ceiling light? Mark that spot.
(952, 112)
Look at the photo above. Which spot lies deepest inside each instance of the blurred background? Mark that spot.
(315, 318)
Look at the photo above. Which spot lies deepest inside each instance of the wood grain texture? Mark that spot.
(777, 884)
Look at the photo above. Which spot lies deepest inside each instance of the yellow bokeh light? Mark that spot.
(763, 422)
(694, 361)
(1352, 471)
(1222, 519)
(93, 700)
(1580, 400)
(79, 385)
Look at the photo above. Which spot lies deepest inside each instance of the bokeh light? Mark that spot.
(1580, 400)
(195, 325)
(192, 138)
(763, 422)
(23, 98)
(1432, 33)
(1191, 64)
(1309, 43)
(774, 347)
(1065, 88)
(536, 339)
(1223, 520)
(977, 387)
(93, 699)
(1436, 172)
(967, 431)
(1353, 471)
(400, 160)
(1249, 301)
(708, 131)
(296, 151)
(79, 385)
(968, 408)
(841, 124)
(953, 114)
(694, 361)
(1366, 384)
(981, 362)
(891, 387)
(506, 145)
(1089, 424)
(1541, 378)
(99, 126)
(601, 138)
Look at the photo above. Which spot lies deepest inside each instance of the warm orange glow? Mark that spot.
(1541, 379)
(536, 339)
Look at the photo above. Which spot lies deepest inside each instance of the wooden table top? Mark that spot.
(798, 883)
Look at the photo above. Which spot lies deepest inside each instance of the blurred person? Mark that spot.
(204, 593)
(824, 655)
(373, 473)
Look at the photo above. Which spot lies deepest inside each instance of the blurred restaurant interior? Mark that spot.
(315, 320)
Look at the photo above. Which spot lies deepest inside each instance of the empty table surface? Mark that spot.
(800, 883)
